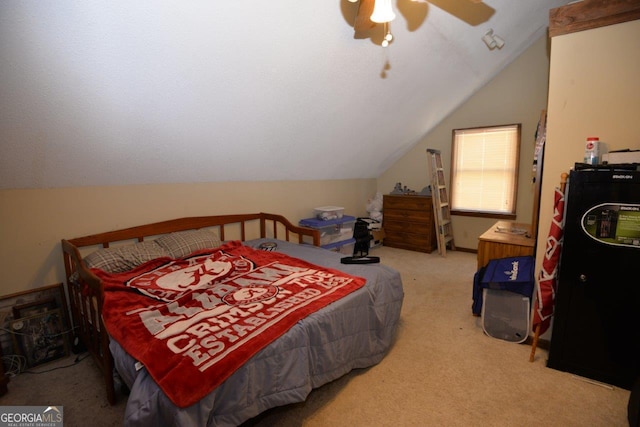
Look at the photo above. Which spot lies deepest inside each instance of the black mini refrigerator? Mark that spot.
(596, 325)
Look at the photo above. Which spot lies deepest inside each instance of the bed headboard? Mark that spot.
(277, 222)
(238, 227)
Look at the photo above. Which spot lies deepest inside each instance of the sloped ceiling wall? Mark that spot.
(157, 91)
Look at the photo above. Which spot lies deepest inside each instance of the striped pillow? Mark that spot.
(124, 258)
(183, 243)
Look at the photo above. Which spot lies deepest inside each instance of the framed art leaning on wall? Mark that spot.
(40, 338)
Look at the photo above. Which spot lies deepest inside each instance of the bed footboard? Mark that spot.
(85, 290)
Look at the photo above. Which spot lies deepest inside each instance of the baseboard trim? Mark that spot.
(469, 250)
(543, 344)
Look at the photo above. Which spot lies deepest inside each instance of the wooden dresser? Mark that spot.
(408, 222)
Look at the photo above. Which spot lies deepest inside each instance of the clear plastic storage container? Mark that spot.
(331, 231)
(327, 213)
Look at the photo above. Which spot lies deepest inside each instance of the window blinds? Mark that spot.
(485, 169)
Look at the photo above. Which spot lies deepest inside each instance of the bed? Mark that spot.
(353, 328)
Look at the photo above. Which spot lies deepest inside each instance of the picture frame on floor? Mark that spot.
(40, 338)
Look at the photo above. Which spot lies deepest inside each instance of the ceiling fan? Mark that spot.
(473, 12)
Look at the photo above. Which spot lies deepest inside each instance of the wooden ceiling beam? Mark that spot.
(589, 14)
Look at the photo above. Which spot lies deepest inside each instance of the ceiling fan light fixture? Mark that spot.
(382, 12)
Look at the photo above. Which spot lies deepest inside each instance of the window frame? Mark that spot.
(516, 171)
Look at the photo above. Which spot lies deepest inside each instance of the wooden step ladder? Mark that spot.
(440, 198)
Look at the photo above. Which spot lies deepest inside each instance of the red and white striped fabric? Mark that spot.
(547, 284)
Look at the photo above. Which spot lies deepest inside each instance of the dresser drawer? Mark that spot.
(407, 215)
(420, 203)
(393, 226)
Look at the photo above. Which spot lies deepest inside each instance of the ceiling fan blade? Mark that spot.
(363, 23)
(470, 11)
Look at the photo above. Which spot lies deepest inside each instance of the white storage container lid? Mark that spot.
(328, 212)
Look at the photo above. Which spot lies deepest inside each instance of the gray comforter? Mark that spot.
(354, 332)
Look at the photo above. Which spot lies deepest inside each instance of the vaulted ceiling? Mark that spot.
(159, 91)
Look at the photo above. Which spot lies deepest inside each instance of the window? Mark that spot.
(484, 171)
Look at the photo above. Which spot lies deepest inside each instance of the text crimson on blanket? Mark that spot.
(194, 332)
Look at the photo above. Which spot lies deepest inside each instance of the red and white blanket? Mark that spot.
(192, 322)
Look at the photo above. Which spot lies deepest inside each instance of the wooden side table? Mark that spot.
(505, 239)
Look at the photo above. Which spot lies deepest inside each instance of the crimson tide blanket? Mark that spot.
(192, 322)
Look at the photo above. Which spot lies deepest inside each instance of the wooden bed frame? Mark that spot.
(85, 290)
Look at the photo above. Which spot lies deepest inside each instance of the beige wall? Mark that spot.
(594, 90)
(517, 95)
(32, 222)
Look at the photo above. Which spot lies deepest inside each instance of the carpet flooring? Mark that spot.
(441, 371)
